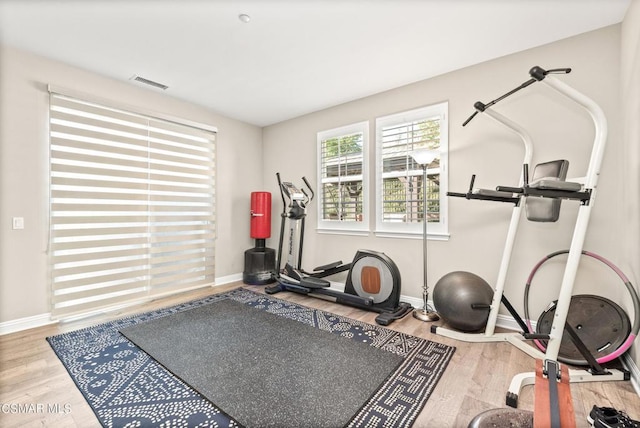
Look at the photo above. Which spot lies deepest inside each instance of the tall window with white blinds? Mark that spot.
(400, 192)
(132, 211)
(342, 178)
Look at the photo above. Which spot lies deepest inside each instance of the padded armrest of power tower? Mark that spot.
(494, 193)
(552, 183)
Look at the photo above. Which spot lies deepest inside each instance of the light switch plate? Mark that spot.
(18, 223)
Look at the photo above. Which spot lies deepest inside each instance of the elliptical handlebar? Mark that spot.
(284, 202)
(306, 182)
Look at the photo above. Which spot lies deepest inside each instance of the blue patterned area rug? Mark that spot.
(126, 387)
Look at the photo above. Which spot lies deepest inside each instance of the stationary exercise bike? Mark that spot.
(373, 281)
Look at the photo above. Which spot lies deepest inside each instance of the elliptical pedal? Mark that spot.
(328, 266)
(314, 283)
(386, 318)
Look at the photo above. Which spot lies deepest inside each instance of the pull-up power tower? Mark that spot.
(549, 192)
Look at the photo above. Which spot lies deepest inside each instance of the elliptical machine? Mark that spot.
(373, 281)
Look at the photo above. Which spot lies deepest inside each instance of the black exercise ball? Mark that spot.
(454, 296)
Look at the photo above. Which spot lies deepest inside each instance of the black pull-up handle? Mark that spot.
(540, 73)
(470, 118)
(537, 73)
(480, 107)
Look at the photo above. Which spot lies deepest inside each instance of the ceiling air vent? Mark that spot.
(148, 82)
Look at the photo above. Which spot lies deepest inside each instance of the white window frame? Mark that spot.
(414, 230)
(345, 226)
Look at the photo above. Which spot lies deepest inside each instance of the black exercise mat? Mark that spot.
(265, 370)
(126, 387)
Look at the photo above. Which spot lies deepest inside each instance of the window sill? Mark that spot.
(349, 232)
(412, 235)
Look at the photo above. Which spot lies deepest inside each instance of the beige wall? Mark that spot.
(630, 184)
(249, 157)
(559, 128)
(24, 286)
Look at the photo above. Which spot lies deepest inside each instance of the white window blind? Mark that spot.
(400, 207)
(132, 208)
(342, 172)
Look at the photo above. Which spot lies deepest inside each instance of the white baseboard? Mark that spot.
(630, 365)
(228, 279)
(413, 301)
(26, 323)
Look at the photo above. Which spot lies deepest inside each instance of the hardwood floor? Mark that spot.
(476, 379)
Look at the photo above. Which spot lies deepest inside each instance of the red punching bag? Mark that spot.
(260, 215)
(260, 262)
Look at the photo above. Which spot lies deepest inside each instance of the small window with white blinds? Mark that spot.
(342, 177)
(132, 211)
(400, 191)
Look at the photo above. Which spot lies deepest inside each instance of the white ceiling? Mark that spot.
(294, 56)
